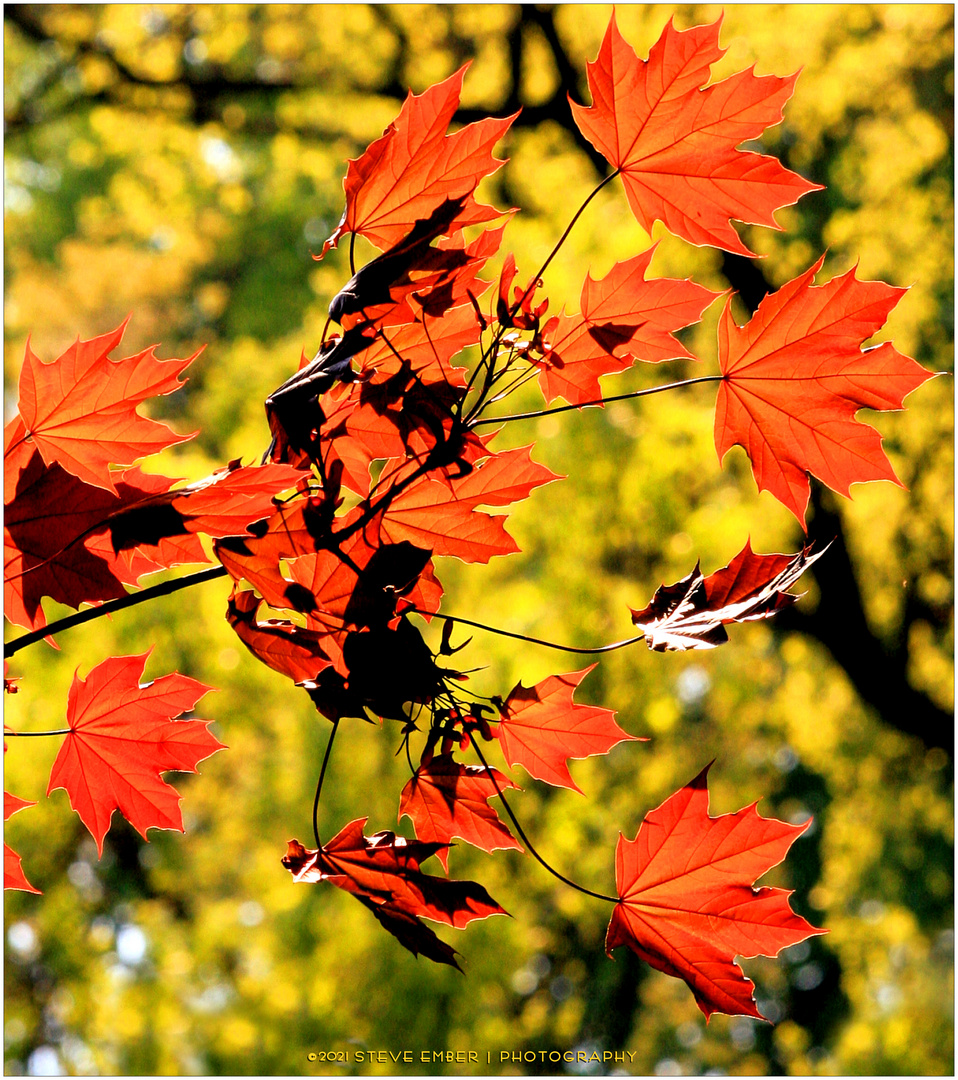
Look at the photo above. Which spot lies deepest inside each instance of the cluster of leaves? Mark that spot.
(382, 459)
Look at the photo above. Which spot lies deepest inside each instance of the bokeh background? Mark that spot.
(182, 162)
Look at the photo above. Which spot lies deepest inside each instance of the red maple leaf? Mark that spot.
(292, 650)
(383, 871)
(80, 410)
(687, 905)
(691, 613)
(445, 799)
(441, 515)
(225, 503)
(400, 414)
(13, 875)
(336, 578)
(55, 537)
(427, 344)
(673, 143)
(624, 318)
(294, 529)
(122, 736)
(542, 727)
(794, 377)
(415, 166)
(367, 581)
(414, 277)
(79, 543)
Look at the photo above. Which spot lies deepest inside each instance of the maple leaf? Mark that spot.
(441, 515)
(55, 541)
(351, 583)
(415, 166)
(335, 578)
(673, 143)
(309, 413)
(33, 543)
(432, 279)
(363, 585)
(794, 377)
(294, 651)
(445, 799)
(691, 613)
(406, 417)
(542, 727)
(122, 736)
(624, 318)
(427, 344)
(297, 528)
(686, 901)
(293, 410)
(80, 410)
(374, 284)
(78, 543)
(389, 667)
(359, 584)
(383, 871)
(225, 503)
(13, 875)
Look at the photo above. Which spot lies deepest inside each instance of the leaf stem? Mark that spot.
(492, 349)
(598, 401)
(36, 734)
(525, 839)
(165, 588)
(532, 640)
(562, 239)
(319, 784)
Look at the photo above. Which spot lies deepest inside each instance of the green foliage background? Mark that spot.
(181, 162)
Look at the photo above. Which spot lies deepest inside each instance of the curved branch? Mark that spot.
(165, 588)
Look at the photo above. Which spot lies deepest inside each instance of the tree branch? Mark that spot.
(165, 588)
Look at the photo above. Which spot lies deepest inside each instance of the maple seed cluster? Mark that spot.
(378, 464)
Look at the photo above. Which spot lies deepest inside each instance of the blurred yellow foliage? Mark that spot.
(183, 163)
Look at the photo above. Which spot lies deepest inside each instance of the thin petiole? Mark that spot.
(36, 734)
(525, 839)
(319, 784)
(536, 641)
(598, 401)
(492, 350)
(562, 239)
(520, 380)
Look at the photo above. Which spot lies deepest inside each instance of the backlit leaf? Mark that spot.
(674, 143)
(794, 377)
(687, 903)
(122, 736)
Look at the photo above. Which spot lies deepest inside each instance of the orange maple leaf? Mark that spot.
(673, 143)
(687, 905)
(445, 799)
(624, 318)
(794, 377)
(441, 516)
(292, 650)
(415, 166)
(80, 410)
(383, 872)
(542, 727)
(122, 736)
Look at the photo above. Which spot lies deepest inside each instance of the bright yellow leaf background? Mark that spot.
(182, 162)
